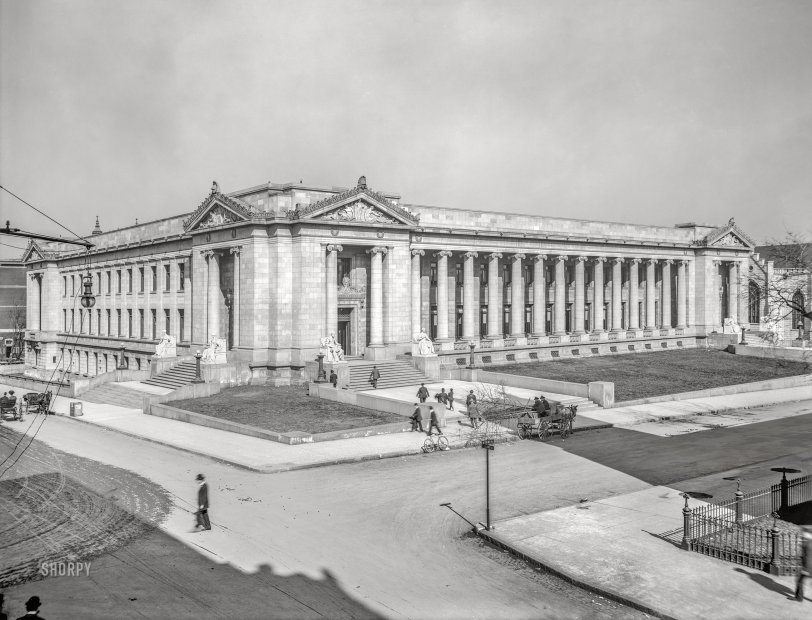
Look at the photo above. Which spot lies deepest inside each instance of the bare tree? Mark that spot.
(18, 328)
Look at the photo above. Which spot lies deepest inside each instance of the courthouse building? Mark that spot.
(275, 268)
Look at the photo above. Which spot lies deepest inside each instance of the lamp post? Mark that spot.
(121, 364)
(744, 329)
(322, 375)
(198, 378)
(488, 445)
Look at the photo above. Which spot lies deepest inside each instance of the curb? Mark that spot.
(584, 585)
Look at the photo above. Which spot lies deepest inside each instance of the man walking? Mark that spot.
(442, 397)
(451, 399)
(374, 376)
(334, 378)
(422, 393)
(433, 422)
(202, 513)
(417, 419)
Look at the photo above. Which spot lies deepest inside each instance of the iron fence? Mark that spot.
(726, 529)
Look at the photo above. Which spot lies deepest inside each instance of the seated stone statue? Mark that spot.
(333, 352)
(215, 353)
(730, 326)
(166, 347)
(424, 344)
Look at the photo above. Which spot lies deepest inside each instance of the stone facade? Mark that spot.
(275, 268)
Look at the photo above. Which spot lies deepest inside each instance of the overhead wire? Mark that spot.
(5, 189)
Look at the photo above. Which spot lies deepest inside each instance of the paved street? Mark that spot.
(370, 538)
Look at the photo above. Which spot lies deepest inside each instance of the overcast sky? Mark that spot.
(636, 111)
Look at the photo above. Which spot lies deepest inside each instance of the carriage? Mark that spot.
(10, 412)
(559, 421)
(37, 402)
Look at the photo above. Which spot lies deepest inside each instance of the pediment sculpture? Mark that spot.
(218, 216)
(359, 211)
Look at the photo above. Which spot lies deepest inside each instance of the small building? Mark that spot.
(12, 308)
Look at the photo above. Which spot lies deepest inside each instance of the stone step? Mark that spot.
(175, 377)
(394, 373)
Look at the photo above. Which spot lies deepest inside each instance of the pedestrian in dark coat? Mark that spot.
(422, 393)
(374, 376)
(442, 397)
(471, 398)
(202, 503)
(32, 606)
(806, 563)
(433, 423)
(334, 378)
(417, 419)
(451, 399)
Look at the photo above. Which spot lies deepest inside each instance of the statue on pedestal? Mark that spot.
(424, 344)
(166, 347)
(215, 353)
(730, 326)
(333, 352)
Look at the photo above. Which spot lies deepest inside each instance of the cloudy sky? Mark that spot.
(640, 111)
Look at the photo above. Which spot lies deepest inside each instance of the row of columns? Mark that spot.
(539, 293)
(214, 294)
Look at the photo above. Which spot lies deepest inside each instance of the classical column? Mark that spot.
(376, 296)
(634, 294)
(667, 293)
(559, 309)
(416, 297)
(597, 294)
(331, 295)
(36, 302)
(578, 311)
(744, 293)
(469, 312)
(651, 291)
(733, 291)
(617, 294)
(442, 294)
(213, 305)
(235, 296)
(682, 292)
(539, 295)
(516, 297)
(493, 295)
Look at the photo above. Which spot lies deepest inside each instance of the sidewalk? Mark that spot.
(610, 546)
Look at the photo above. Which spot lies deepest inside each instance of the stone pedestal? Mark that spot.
(429, 365)
(378, 353)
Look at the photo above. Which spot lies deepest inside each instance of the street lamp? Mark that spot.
(472, 346)
(121, 364)
(198, 378)
(88, 300)
(488, 445)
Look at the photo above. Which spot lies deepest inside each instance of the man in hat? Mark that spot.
(202, 513)
(334, 378)
(32, 606)
(417, 419)
(422, 393)
(374, 376)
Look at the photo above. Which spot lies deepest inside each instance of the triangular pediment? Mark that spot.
(356, 205)
(218, 210)
(729, 236)
(33, 253)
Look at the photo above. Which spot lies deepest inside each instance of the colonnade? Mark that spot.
(214, 295)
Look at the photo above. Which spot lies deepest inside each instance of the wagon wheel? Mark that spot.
(428, 445)
(523, 431)
(442, 443)
(544, 431)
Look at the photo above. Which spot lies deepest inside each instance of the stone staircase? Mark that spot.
(115, 394)
(175, 377)
(394, 373)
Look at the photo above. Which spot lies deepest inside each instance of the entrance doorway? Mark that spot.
(344, 335)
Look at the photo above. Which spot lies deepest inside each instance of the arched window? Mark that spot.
(797, 304)
(754, 313)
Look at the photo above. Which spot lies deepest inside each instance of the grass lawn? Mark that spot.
(284, 409)
(643, 375)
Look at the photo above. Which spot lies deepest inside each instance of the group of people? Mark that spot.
(417, 420)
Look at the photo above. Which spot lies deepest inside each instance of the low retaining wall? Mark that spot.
(84, 384)
(290, 438)
(600, 392)
(192, 390)
(777, 353)
(741, 388)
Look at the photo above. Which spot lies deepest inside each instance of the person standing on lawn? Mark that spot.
(433, 423)
(422, 393)
(202, 513)
(374, 376)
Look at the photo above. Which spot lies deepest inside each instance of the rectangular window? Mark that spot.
(483, 319)
(624, 313)
(141, 324)
(118, 281)
(140, 279)
(528, 318)
(119, 325)
(129, 280)
(98, 283)
(72, 286)
(506, 319)
(72, 321)
(433, 322)
(129, 323)
(109, 284)
(98, 322)
(181, 330)
(605, 316)
(166, 322)
(568, 318)
(506, 275)
(167, 277)
(154, 330)
(433, 274)
(64, 320)
(343, 269)
(588, 317)
(548, 319)
(81, 321)
(109, 321)
(181, 275)
(154, 272)
(64, 286)
(483, 275)
(458, 323)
